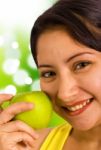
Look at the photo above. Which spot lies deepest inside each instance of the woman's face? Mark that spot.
(70, 74)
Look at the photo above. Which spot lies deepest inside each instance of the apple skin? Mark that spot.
(39, 116)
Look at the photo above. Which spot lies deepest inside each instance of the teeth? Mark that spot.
(84, 104)
(77, 107)
(88, 100)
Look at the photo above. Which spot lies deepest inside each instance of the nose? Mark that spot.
(68, 89)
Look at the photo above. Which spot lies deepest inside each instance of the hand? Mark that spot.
(15, 135)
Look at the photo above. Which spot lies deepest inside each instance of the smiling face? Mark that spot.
(70, 74)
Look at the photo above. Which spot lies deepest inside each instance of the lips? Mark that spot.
(78, 107)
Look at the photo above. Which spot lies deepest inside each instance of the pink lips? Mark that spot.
(72, 104)
(77, 112)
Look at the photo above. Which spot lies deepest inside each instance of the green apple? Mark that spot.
(39, 116)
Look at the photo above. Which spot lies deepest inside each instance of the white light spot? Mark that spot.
(36, 86)
(28, 80)
(10, 66)
(15, 45)
(10, 89)
(12, 53)
(31, 62)
(1, 40)
(20, 77)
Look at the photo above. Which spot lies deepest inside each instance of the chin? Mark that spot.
(83, 126)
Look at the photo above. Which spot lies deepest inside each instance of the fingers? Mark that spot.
(12, 139)
(22, 136)
(5, 97)
(18, 126)
(9, 113)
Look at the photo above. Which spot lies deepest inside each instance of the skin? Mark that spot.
(71, 72)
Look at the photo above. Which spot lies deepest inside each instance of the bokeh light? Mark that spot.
(10, 66)
(20, 77)
(10, 89)
(15, 45)
(35, 86)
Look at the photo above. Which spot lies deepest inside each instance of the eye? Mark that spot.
(47, 74)
(81, 65)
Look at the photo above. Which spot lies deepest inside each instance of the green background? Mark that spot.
(18, 72)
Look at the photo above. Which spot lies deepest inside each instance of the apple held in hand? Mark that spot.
(39, 116)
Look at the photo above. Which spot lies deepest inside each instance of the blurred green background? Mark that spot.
(18, 72)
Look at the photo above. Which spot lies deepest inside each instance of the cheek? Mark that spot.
(45, 87)
(92, 83)
(49, 88)
(96, 87)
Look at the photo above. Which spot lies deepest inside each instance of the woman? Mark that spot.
(65, 43)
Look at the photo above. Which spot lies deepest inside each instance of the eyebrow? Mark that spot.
(44, 65)
(76, 55)
(68, 60)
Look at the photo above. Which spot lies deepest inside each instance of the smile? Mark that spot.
(77, 109)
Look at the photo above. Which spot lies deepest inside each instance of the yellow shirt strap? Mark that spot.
(57, 137)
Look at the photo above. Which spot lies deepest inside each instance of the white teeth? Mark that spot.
(88, 101)
(84, 104)
(77, 107)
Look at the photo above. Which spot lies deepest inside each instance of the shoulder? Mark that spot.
(43, 133)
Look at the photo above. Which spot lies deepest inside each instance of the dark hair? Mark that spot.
(80, 18)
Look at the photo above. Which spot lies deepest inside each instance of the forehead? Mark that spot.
(57, 43)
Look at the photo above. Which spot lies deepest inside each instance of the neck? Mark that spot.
(90, 137)
(78, 140)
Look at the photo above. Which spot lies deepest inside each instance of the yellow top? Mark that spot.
(57, 137)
